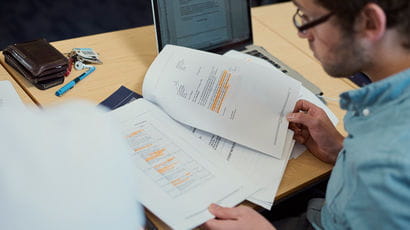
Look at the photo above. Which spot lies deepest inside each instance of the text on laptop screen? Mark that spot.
(202, 24)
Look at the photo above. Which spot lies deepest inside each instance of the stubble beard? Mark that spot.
(349, 58)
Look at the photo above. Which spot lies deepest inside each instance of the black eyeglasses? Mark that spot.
(302, 23)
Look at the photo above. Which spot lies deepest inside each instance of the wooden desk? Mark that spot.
(23, 95)
(278, 19)
(128, 53)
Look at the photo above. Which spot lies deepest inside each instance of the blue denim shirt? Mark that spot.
(370, 184)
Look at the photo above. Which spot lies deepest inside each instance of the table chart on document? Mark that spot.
(164, 161)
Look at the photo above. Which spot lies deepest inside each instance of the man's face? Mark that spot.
(340, 53)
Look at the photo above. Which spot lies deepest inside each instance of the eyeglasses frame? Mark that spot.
(312, 23)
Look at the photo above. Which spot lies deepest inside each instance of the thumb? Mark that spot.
(223, 213)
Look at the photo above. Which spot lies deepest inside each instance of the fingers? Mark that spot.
(224, 213)
(295, 127)
(300, 139)
(302, 136)
(301, 118)
(303, 105)
(225, 218)
(241, 217)
(215, 224)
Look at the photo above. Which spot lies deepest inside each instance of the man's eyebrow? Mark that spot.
(296, 3)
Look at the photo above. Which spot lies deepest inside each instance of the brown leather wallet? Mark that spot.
(38, 61)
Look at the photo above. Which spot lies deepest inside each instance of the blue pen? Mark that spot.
(72, 83)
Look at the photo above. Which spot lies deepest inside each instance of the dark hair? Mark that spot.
(397, 14)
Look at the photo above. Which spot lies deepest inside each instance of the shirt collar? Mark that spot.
(377, 93)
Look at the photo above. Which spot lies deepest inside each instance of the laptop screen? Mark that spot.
(212, 25)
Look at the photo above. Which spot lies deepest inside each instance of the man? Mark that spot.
(370, 184)
(65, 168)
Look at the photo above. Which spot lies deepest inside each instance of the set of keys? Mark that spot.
(81, 57)
(85, 55)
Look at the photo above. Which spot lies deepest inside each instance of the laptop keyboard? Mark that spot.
(256, 53)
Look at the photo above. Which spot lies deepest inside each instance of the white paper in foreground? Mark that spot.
(179, 177)
(65, 167)
(242, 102)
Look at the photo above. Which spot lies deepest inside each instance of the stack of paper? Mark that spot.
(264, 171)
(179, 177)
(267, 172)
(209, 129)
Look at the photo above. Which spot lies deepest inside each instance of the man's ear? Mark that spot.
(371, 22)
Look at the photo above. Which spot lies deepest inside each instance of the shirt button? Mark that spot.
(366, 112)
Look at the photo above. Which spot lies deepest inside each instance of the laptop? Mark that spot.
(215, 26)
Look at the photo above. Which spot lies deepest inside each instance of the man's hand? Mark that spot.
(314, 129)
(238, 218)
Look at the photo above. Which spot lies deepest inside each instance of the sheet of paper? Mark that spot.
(180, 177)
(231, 98)
(248, 58)
(8, 96)
(304, 94)
(266, 197)
(264, 171)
